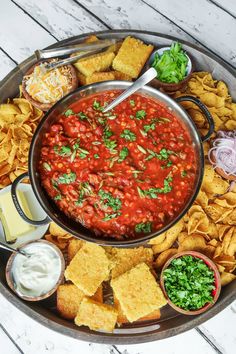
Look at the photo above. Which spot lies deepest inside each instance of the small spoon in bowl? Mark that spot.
(148, 76)
(11, 249)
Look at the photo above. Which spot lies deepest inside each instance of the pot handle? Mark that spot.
(18, 206)
(204, 109)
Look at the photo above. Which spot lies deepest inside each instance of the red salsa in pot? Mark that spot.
(123, 173)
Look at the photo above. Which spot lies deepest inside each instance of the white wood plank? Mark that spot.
(206, 22)
(185, 343)
(53, 16)
(221, 329)
(6, 64)
(6, 343)
(32, 337)
(19, 34)
(63, 18)
(228, 5)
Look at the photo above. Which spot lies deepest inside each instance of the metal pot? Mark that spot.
(52, 115)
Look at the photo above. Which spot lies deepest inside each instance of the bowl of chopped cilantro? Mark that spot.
(190, 282)
(173, 65)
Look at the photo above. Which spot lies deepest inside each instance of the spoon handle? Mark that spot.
(149, 75)
(6, 247)
(11, 249)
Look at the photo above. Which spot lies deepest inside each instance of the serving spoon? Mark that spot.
(144, 79)
(11, 249)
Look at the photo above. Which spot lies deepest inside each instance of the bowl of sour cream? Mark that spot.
(36, 275)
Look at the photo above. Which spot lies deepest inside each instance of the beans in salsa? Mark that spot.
(123, 173)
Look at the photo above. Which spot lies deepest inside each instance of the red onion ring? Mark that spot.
(223, 152)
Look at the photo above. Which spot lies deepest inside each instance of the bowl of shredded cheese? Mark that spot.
(44, 88)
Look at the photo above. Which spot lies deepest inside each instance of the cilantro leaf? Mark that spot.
(143, 227)
(123, 154)
(128, 135)
(69, 112)
(109, 200)
(140, 114)
(62, 151)
(67, 178)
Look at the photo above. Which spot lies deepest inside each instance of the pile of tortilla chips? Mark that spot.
(210, 224)
(58, 236)
(18, 121)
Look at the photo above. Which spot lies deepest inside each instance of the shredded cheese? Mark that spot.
(48, 86)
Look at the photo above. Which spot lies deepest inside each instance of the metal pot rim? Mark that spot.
(99, 87)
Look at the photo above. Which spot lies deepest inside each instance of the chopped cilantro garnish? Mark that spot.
(102, 121)
(189, 283)
(109, 200)
(153, 192)
(148, 127)
(82, 116)
(163, 155)
(143, 227)
(124, 152)
(57, 197)
(96, 156)
(184, 173)
(97, 106)
(140, 114)
(107, 133)
(128, 135)
(132, 103)
(67, 178)
(85, 190)
(62, 151)
(111, 216)
(69, 112)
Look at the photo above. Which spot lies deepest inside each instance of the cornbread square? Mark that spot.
(96, 77)
(73, 247)
(96, 62)
(122, 319)
(121, 76)
(124, 259)
(132, 56)
(69, 297)
(138, 292)
(89, 268)
(96, 316)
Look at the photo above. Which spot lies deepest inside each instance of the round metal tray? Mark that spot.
(170, 323)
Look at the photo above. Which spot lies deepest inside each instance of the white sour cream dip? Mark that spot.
(38, 274)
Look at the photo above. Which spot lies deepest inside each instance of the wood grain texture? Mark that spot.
(210, 25)
(24, 36)
(125, 14)
(62, 18)
(6, 64)
(34, 338)
(228, 5)
(6, 343)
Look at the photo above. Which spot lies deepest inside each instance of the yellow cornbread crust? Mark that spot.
(69, 297)
(96, 316)
(138, 292)
(132, 56)
(89, 268)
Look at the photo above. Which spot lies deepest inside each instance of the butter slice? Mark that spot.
(13, 224)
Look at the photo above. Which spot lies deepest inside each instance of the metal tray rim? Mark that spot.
(108, 338)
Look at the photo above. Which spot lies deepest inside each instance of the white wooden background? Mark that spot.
(26, 25)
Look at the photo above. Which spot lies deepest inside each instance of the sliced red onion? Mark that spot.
(223, 152)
